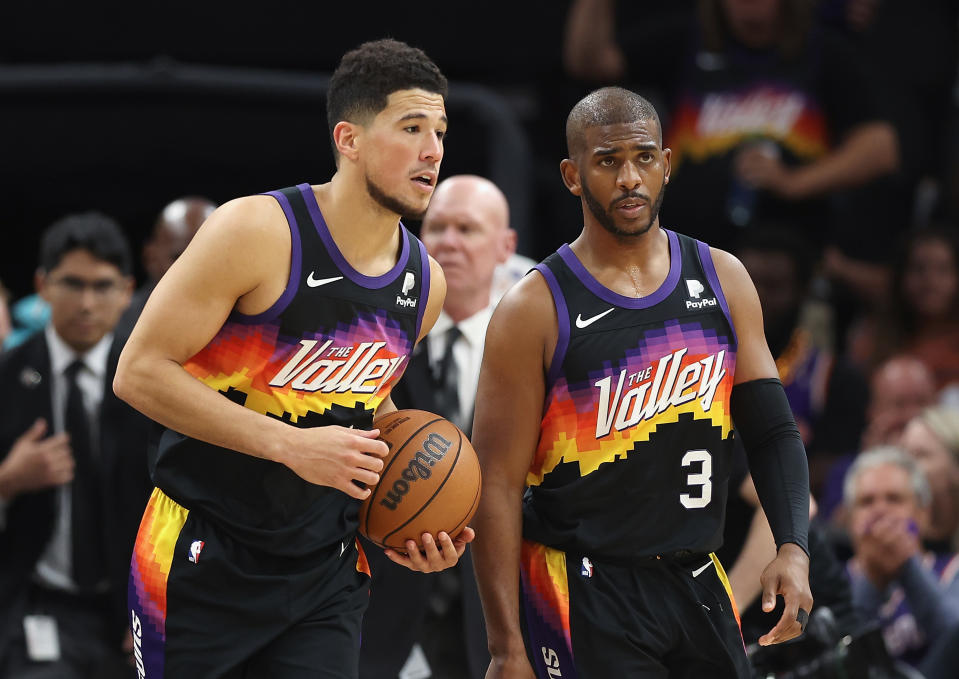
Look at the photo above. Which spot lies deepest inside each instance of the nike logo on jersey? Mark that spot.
(317, 282)
(586, 322)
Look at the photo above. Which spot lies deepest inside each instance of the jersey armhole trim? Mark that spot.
(706, 259)
(424, 288)
(562, 317)
(296, 258)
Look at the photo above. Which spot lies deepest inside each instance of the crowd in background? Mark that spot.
(815, 141)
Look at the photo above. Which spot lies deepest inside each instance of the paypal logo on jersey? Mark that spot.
(195, 548)
(408, 282)
(402, 300)
(695, 289)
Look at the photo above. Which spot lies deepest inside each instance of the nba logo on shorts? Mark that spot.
(587, 570)
(195, 548)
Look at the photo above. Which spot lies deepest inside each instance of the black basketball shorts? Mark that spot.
(585, 619)
(204, 606)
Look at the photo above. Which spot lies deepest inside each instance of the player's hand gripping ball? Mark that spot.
(430, 482)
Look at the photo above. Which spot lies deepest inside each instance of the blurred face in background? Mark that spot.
(930, 281)
(883, 491)
(900, 388)
(942, 470)
(776, 280)
(86, 297)
(466, 231)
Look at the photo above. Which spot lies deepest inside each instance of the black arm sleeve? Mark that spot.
(777, 458)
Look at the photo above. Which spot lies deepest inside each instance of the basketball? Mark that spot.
(430, 482)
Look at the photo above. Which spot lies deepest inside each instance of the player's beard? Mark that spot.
(392, 203)
(605, 216)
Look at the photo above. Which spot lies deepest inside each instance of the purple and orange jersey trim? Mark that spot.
(149, 571)
(545, 594)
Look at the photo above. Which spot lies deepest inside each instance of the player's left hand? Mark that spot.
(788, 576)
(437, 554)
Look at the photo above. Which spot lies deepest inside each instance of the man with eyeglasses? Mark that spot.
(73, 476)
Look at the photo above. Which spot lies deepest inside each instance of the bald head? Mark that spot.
(472, 192)
(175, 227)
(899, 390)
(607, 106)
(466, 230)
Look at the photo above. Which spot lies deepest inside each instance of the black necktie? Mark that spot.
(85, 507)
(448, 378)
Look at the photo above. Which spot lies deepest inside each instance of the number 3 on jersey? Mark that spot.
(702, 478)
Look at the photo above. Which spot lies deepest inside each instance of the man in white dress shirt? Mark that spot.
(72, 466)
(442, 633)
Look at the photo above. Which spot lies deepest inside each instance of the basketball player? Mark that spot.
(265, 352)
(604, 417)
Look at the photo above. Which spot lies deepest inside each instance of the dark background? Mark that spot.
(122, 107)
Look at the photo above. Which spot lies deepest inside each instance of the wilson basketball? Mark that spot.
(430, 482)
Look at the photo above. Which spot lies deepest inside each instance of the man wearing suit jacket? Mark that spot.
(73, 475)
(433, 625)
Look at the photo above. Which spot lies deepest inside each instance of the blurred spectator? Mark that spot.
(921, 72)
(73, 473)
(932, 439)
(899, 389)
(769, 115)
(921, 317)
(913, 593)
(827, 393)
(175, 227)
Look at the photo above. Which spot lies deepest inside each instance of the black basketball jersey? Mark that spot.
(636, 435)
(327, 352)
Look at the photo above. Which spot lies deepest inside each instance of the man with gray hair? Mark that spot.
(914, 594)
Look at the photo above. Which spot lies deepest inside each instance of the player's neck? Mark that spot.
(602, 248)
(632, 267)
(366, 234)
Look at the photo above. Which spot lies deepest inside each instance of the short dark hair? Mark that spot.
(370, 73)
(94, 232)
(607, 106)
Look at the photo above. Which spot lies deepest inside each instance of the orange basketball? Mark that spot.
(430, 483)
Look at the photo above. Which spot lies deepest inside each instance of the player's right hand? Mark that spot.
(514, 666)
(335, 456)
(35, 462)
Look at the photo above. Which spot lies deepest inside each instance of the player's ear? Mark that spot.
(667, 159)
(570, 173)
(346, 139)
(509, 244)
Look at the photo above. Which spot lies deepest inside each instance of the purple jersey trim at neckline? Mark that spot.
(706, 259)
(295, 267)
(607, 295)
(562, 314)
(370, 282)
(424, 291)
